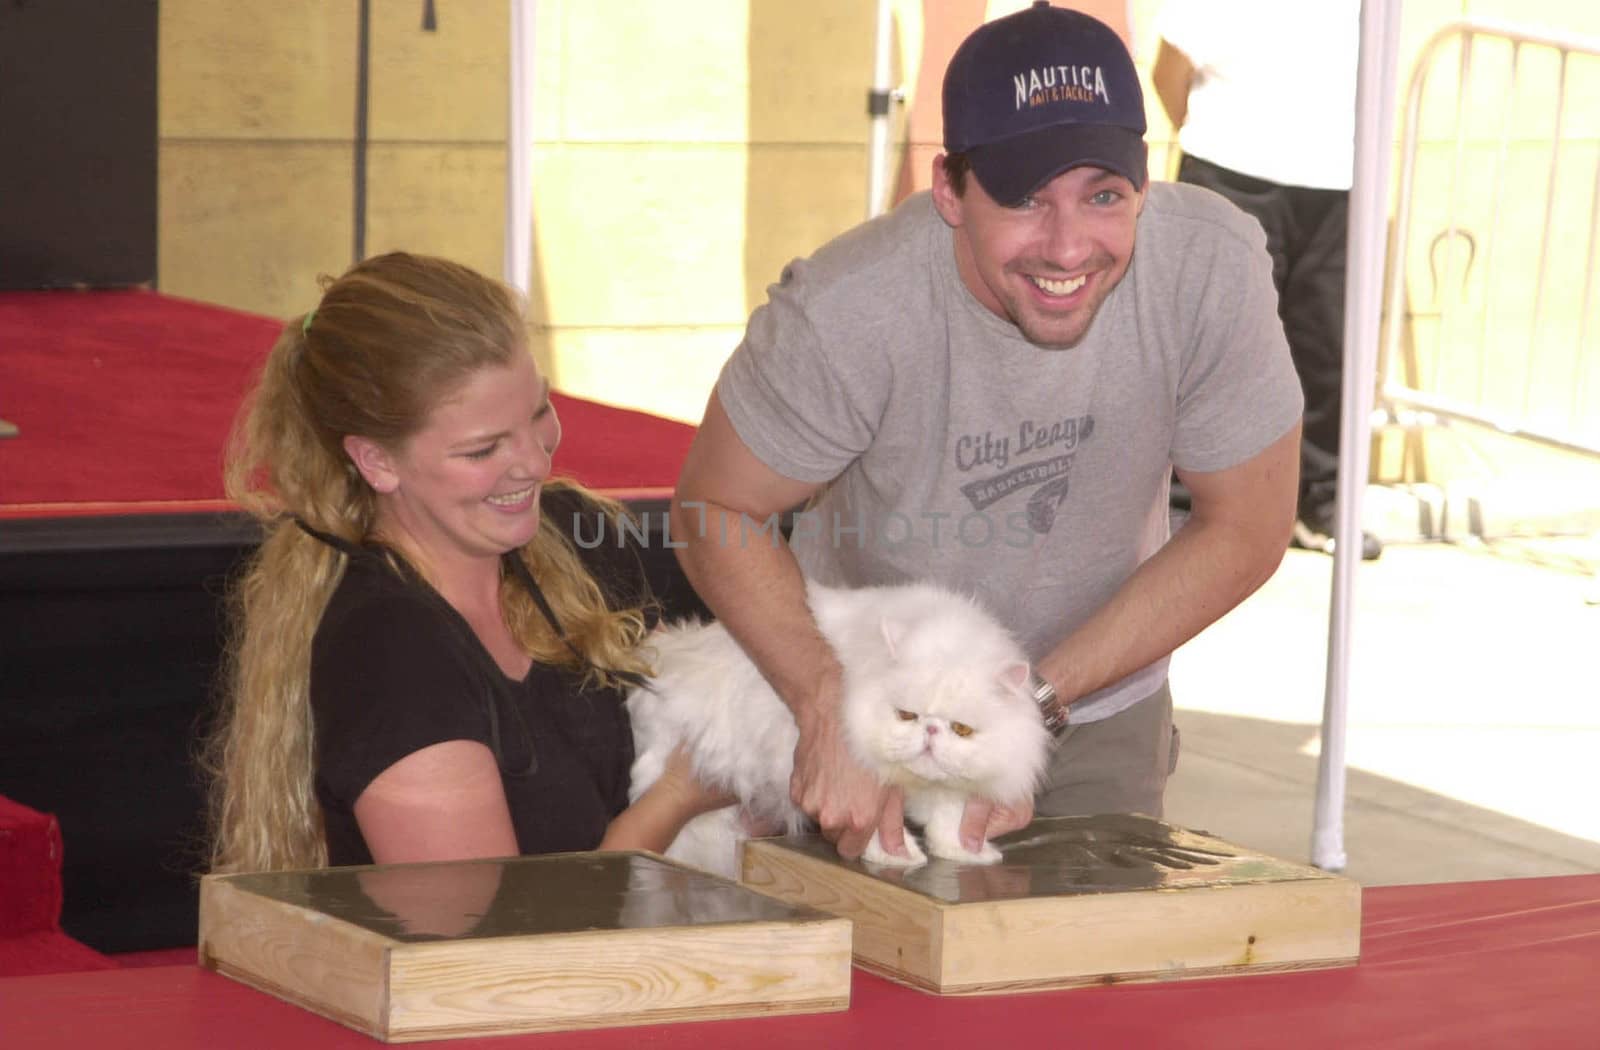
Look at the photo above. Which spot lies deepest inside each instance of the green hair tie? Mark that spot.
(305, 326)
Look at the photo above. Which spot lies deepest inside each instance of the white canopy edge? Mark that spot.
(519, 150)
(1364, 262)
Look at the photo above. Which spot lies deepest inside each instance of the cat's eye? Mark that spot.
(905, 716)
(960, 729)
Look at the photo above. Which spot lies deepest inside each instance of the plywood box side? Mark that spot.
(618, 977)
(893, 927)
(312, 960)
(1153, 935)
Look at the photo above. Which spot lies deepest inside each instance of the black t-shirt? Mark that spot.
(394, 668)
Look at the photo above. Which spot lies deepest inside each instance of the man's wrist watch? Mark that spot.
(1051, 709)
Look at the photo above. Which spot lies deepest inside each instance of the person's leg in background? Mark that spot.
(1306, 234)
(1311, 304)
(1268, 204)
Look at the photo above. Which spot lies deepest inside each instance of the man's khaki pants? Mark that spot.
(1117, 765)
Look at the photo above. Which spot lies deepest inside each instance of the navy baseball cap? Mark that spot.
(1033, 94)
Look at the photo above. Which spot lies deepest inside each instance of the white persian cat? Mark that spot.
(936, 701)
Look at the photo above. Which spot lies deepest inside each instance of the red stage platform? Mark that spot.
(123, 400)
(1486, 964)
(31, 941)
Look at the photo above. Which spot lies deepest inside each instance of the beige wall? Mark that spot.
(682, 157)
(257, 119)
(684, 152)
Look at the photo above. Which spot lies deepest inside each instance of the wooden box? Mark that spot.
(579, 940)
(1074, 901)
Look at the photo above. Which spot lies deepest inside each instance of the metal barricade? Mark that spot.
(1495, 323)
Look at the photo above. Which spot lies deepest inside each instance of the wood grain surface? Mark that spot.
(1074, 901)
(411, 952)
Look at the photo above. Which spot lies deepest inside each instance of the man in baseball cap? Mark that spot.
(990, 388)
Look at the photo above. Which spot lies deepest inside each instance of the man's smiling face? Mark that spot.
(1047, 263)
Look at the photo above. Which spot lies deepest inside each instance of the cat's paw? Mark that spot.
(876, 854)
(955, 851)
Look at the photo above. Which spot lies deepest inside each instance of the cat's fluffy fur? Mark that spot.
(936, 700)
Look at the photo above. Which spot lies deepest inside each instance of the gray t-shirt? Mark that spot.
(957, 451)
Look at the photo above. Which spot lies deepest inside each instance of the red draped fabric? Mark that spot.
(31, 941)
(123, 401)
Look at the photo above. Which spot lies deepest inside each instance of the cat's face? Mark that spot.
(953, 712)
(951, 728)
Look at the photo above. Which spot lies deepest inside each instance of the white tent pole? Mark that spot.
(1364, 260)
(878, 110)
(519, 150)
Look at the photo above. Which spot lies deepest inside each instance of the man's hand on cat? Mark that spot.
(982, 820)
(847, 802)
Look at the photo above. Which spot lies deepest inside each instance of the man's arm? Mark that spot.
(750, 579)
(1232, 543)
(1171, 76)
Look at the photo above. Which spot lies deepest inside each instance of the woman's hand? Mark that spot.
(656, 817)
(681, 789)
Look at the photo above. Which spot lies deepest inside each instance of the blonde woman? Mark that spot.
(423, 664)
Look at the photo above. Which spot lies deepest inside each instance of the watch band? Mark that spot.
(1051, 709)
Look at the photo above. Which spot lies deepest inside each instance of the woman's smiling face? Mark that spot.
(467, 484)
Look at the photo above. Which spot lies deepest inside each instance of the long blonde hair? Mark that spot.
(389, 340)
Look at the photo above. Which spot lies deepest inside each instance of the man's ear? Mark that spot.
(373, 461)
(946, 201)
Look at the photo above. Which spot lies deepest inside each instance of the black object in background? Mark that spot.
(111, 635)
(78, 135)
